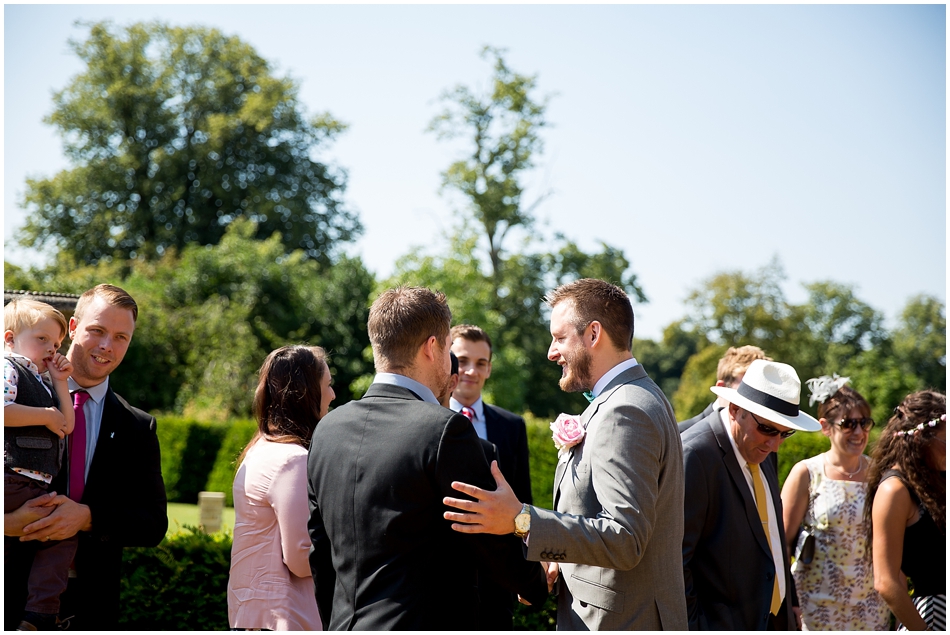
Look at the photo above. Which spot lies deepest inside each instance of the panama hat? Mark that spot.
(771, 390)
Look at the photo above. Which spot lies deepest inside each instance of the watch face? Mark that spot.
(523, 522)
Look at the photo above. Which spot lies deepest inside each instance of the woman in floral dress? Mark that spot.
(824, 496)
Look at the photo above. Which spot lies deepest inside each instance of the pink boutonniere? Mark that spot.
(568, 432)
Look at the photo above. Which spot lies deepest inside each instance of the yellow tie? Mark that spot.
(760, 503)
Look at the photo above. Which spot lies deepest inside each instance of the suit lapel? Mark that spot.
(742, 486)
(491, 424)
(626, 377)
(108, 426)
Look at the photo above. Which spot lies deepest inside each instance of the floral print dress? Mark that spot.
(836, 590)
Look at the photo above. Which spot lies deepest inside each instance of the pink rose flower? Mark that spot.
(568, 432)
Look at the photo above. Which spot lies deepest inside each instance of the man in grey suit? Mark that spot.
(615, 538)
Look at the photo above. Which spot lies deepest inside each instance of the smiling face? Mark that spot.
(754, 446)
(568, 350)
(99, 341)
(474, 369)
(37, 342)
(847, 442)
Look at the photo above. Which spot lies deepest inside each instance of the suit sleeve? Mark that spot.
(321, 563)
(626, 458)
(461, 459)
(696, 508)
(137, 514)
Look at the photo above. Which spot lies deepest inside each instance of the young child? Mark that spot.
(38, 415)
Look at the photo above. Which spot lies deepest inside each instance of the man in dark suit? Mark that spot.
(121, 501)
(735, 565)
(729, 372)
(507, 432)
(383, 557)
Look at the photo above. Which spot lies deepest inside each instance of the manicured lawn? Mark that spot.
(180, 514)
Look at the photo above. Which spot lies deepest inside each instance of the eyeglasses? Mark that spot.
(769, 431)
(850, 424)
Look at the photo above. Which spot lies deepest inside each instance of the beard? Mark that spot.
(576, 377)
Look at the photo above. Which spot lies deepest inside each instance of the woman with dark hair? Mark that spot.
(823, 501)
(270, 586)
(907, 519)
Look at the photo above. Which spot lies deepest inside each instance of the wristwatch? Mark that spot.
(523, 521)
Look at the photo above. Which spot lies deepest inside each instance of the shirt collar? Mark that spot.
(97, 393)
(478, 407)
(26, 361)
(610, 374)
(402, 381)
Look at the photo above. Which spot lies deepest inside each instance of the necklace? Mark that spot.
(850, 475)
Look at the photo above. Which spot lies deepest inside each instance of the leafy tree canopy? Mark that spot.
(175, 132)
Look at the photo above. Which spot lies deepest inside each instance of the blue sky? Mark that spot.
(696, 138)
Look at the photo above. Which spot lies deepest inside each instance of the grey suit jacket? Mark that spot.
(617, 532)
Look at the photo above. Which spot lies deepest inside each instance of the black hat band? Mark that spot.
(764, 399)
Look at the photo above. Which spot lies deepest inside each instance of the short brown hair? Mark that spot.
(113, 295)
(23, 313)
(471, 333)
(401, 320)
(841, 403)
(736, 362)
(596, 300)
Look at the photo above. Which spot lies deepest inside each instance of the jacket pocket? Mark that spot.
(34, 443)
(596, 594)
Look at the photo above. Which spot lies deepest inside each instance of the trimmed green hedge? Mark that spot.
(236, 438)
(181, 584)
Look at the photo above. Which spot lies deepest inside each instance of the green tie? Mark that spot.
(760, 503)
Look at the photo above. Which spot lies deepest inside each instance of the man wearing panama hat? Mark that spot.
(735, 567)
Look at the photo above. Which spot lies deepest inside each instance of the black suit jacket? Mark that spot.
(689, 423)
(384, 558)
(727, 565)
(126, 497)
(509, 434)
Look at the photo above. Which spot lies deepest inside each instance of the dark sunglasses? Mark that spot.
(850, 424)
(769, 431)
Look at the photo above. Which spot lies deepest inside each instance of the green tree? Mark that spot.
(173, 133)
(503, 126)
(920, 341)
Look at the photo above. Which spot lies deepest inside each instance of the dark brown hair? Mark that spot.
(401, 320)
(840, 404)
(471, 333)
(288, 396)
(113, 295)
(598, 301)
(909, 453)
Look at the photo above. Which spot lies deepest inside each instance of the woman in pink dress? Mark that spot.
(270, 586)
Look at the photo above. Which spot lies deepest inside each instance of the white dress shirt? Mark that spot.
(478, 422)
(610, 374)
(402, 381)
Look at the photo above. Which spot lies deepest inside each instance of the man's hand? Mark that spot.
(797, 611)
(490, 512)
(67, 520)
(552, 570)
(30, 511)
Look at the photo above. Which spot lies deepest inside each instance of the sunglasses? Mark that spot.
(850, 424)
(769, 431)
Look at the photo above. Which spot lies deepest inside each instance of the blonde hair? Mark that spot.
(736, 362)
(23, 313)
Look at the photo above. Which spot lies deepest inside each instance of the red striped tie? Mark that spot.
(468, 412)
(77, 448)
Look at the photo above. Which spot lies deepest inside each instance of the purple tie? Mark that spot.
(77, 448)
(468, 412)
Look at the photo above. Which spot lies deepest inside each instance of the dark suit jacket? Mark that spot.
(126, 496)
(689, 423)
(509, 434)
(384, 558)
(727, 565)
